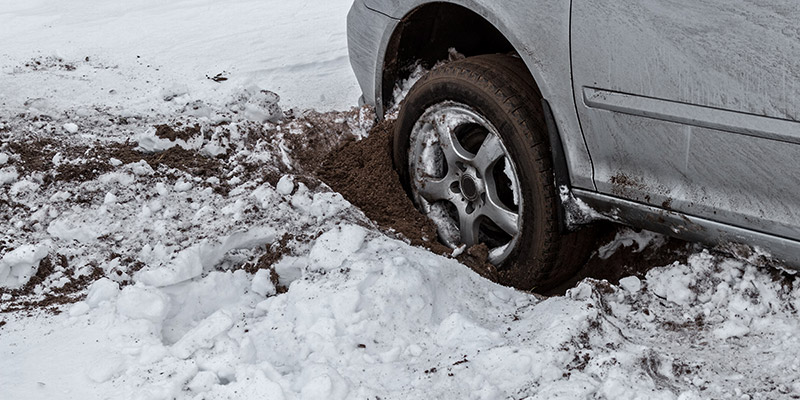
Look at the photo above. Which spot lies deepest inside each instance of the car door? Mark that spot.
(693, 105)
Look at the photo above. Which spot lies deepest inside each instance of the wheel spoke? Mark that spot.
(433, 189)
(452, 149)
(489, 153)
(504, 218)
(468, 226)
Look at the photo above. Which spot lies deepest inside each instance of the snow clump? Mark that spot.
(19, 265)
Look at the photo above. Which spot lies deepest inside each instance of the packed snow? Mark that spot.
(199, 262)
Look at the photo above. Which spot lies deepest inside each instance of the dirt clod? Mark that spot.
(170, 133)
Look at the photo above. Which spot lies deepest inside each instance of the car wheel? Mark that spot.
(471, 148)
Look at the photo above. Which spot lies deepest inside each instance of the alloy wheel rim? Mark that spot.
(464, 180)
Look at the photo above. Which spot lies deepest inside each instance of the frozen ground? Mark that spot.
(166, 237)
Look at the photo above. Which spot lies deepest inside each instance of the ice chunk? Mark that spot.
(110, 198)
(190, 262)
(632, 284)
(334, 246)
(141, 168)
(62, 230)
(138, 302)
(202, 336)
(70, 127)
(150, 143)
(19, 265)
(262, 284)
(8, 175)
(581, 292)
(260, 105)
(285, 185)
(3, 158)
(731, 329)
(186, 265)
(102, 290)
(672, 284)
(182, 185)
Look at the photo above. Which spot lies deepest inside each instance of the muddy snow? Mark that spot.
(194, 208)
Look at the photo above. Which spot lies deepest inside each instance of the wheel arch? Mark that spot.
(426, 32)
(537, 31)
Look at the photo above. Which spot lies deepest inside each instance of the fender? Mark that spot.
(539, 32)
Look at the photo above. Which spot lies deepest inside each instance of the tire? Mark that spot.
(450, 131)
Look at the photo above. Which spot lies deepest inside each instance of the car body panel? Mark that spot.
(677, 116)
(692, 106)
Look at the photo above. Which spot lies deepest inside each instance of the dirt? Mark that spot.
(185, 133)
(25, 299)
(626, 261)
(50, 63)
(362, 172)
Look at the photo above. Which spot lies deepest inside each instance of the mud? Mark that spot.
(362, 172)
(626, 261)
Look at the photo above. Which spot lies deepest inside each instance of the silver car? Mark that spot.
(678, 116)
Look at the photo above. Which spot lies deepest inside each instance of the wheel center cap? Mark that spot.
(469, 188)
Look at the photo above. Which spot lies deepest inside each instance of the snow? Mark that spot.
(70, 127)
(285, 185)
(631, 283)
(333, 247)
(230, 285)
(262, 283)
(628, 237)
(101, 290)
(19, 265)
(155, 55)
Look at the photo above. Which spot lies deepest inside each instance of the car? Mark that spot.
(680, 117)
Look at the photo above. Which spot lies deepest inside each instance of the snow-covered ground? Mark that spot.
(165, 239)
(133, 54)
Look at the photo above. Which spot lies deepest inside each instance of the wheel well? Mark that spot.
(427, 33)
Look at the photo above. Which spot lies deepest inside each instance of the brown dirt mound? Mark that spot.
(362, 172)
